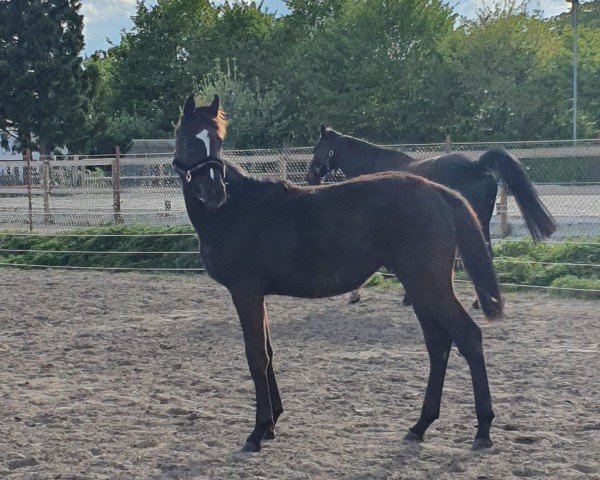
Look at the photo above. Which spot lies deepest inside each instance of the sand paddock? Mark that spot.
(127, 376)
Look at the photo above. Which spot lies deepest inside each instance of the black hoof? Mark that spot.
(352, 300)
(481, 443)
(476, 304)
(412, 437)
(407, 302)
(250, 447)
(269, 434)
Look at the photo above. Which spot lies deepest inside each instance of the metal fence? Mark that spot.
(53, 195)
(63, 192)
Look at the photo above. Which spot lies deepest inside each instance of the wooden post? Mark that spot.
(502, 210)
(80, 173)
(116, 178)
(448, 144)
(46, 189)
(27, 178)
(282, 166)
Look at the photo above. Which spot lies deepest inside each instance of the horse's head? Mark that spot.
(198, 140)
(324, 160)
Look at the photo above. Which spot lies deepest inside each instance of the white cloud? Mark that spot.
(106, 18)
(549, 8)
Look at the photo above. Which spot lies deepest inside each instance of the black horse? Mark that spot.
(476, 181)
(261, 237)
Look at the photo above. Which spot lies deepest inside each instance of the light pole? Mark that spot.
(574, 4)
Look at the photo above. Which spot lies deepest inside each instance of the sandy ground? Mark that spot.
(125, 376)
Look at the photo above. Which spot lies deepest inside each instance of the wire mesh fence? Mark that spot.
(60, 193)
(79, 191)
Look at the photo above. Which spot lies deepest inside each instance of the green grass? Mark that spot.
(579, 264)
(512, 257)
(513, 261)
(101, 244)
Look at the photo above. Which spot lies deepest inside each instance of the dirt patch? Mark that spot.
(131, 376)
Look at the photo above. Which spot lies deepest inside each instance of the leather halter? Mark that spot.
(328, 168)
(187, 174)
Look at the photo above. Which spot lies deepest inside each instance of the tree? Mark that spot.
(511, 69)
(370, 68)
(45, 89)
(254, 116)
(171, 47)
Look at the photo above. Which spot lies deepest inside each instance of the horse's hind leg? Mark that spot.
(438, 346)
(273, 390)
(484, 213)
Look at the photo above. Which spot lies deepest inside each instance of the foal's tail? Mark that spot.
(475, 256)
(539, 221)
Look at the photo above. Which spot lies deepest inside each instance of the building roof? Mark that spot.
(141, 146)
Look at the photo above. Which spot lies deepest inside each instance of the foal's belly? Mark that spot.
(314, 282)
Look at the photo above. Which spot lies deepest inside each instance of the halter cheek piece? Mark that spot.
(328, 167)
(209, 162)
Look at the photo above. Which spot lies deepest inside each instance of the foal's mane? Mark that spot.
(221, 124)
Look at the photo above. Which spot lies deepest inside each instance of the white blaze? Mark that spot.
(203, 135)
(212, 174)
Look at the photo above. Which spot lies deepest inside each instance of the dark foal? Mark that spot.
(261, 237)
(476, 181)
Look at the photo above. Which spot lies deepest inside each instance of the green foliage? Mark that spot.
(523, 262)
(370, 68)
(512, 258)
(507, 64)
(576, 170)
(257, 114)
(102, 244)
(394, 71)
(45, 90)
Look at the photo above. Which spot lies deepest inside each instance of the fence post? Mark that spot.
(282, 165)
(46, 189)
(502, 210)
(116, 178)
(80, 173)
(448, 144)
(27, 178)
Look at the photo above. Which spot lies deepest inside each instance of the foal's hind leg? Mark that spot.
(273, 389)
(438, 346)
(467, 337)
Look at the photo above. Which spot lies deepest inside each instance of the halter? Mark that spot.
(187, 174)
(328, 167)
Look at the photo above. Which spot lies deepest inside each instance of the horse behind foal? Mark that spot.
(476, 180)
(261, 237)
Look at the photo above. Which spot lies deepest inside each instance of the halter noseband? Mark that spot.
(328, 167)
(187, 174)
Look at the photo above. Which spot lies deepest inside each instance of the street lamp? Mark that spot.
(574, 4)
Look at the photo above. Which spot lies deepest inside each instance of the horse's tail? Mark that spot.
(475, 256)
(538, 219)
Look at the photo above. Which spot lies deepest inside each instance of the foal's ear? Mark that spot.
(190, 106)
(214, 106)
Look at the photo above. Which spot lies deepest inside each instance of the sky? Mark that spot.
(107, 18)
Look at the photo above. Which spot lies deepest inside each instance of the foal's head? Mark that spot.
(198, 140)
(324, 160)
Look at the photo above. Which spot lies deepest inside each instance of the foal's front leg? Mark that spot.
(275, 396)
(251, 310)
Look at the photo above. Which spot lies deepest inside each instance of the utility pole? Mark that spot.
(574, 4)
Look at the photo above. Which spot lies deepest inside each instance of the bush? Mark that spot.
(130, 238)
